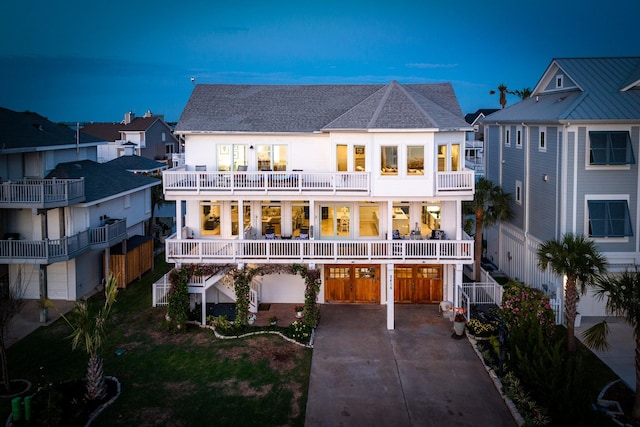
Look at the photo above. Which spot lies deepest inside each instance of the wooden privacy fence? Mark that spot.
(132, 265)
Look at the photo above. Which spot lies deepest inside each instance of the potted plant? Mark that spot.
(459, 323)
(298, 309)
(273, 320)
(251, 319)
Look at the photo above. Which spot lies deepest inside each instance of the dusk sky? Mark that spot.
(93, 61)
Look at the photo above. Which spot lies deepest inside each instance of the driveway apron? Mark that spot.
(416, 375)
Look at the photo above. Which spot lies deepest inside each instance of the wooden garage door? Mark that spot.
(418, 283)
(356, 284)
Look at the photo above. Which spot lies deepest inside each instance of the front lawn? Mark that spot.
(175, 379)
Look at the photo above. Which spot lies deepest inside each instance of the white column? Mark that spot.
(457, 284)
(390, 298)
(178, 219)
(204, 306)
(241, 219)
(313, 220)
(390, 220)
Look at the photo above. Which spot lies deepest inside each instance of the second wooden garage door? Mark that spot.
(418, 283)
(352, 283)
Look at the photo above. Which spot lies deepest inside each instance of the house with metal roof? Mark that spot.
(362, 182)
(474, 145)
(148, 136)
(568, 156)
(61, 212)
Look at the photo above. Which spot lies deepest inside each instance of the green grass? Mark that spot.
(175, 379)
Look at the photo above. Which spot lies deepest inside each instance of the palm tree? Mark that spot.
(623, 299)
(576, 258)
(489, 205)
(503, 91)
(523, 94)
(89, 331)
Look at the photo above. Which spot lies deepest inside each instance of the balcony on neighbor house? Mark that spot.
(286, 251)
(33, 193)
(49, 251)
(181, 181)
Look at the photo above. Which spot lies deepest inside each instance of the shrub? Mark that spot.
(523, 306)
(300, 332)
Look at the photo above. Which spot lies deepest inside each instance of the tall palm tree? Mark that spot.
(89, 331)
(490, 204)
(522, 94)
(623, 299)
(576, 258)
(503, 91)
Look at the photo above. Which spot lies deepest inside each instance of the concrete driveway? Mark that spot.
(416, 375)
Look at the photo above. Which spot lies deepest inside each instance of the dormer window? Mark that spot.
(559, 81)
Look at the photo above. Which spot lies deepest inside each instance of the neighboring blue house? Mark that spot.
(568, 156)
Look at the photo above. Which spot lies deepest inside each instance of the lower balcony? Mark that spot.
(287, 251)
(13, 250)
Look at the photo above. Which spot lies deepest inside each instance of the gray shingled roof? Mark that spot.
(26, 131)
(100, 179)
(601, 97)
(135, 163)
(312, 108)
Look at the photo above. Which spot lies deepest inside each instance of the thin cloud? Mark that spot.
(430, 66)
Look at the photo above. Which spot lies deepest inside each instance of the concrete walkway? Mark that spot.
(28, 319)
(416, 375)
(621, 355)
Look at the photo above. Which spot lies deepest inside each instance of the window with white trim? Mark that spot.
(609, 218)
(559, 81)
(519, 138)
(507, 135)
(542, 140)
(518, 195)
(610, 148)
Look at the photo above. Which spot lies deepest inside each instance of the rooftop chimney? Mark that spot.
(148, 114)
(128, 117)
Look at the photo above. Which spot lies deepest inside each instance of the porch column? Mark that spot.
(457, 284)
(241, 219)
(390, 220)
(390, 298)
(204, 305)
(459, 215)
(179, 219)
(44, 311)
(313, 220)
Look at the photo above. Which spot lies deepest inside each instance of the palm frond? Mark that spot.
(596, 336)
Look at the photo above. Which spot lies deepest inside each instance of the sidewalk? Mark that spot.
(621, 355)
(28, 319)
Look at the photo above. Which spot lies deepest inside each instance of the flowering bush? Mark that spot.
(459, 318)
(523, 305)
(298, 308)
(482, 329)
(300, 332)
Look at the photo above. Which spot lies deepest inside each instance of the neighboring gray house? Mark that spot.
(148, 136)
(567, 155)
(60, 211)
(474, 141)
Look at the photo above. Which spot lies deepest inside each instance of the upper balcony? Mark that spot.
(41, 193)
(182, 182)
(283, 251)
(49, 251)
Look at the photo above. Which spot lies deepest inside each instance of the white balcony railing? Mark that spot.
(459, 181)
(41, 193)
(317, 251)
(182, 180)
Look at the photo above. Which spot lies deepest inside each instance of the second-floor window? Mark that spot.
(610, 148)
(272, 157)
(609, 218)
(230, 156)
(542, 141)
(415, 160)
(389, 160)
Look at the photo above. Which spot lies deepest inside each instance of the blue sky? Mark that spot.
(93, 61)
